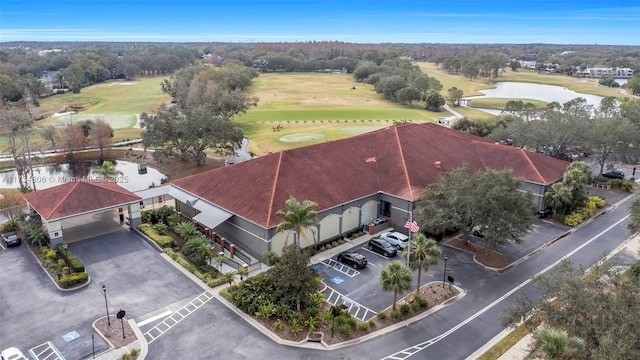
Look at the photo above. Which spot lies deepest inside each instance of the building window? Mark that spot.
(385, 208)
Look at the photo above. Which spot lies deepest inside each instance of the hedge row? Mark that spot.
(74, 263)
(164, 241)
(73, 279)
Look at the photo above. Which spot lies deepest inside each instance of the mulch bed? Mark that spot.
(434, 293)
(113, 332)
(481, 254)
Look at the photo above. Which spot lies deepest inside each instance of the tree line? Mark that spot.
(607, 134)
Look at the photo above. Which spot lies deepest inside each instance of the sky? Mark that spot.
(608, 22)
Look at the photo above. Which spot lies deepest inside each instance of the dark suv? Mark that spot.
(353, 259)
(381, 246)
(614, 174)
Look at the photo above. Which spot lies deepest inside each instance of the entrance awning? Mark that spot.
(212, 219)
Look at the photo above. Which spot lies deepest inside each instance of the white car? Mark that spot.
(12, 353)
(397, 239)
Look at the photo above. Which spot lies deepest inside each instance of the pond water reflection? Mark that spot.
(52, 175)
(547, 93)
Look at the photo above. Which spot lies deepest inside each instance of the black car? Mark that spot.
(614, 174)
(353, 259)
(11, 239)
(545, 212)
(381, 246)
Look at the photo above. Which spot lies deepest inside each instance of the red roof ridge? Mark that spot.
(526, 155)
(64, 198)
(404, 164)
(273, 190)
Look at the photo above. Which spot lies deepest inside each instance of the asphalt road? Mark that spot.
(138, 280)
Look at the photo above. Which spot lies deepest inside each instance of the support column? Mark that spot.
(135, 217)
(54, 229)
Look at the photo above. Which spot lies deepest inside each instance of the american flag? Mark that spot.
(412, 225)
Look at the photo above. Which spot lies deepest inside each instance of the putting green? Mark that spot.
(302, 137)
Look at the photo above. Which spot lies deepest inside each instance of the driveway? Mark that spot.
(137, 278)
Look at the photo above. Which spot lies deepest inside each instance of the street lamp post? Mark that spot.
(444, 274)
(106, 305)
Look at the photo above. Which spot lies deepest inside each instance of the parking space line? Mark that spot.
(172, 320)
(154, 318)
(46, 351)
(353, 307)
(341, 268)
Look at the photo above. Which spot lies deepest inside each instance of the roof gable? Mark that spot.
(78, 197)
(400, 160)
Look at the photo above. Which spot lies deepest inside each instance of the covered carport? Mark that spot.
(82, 209)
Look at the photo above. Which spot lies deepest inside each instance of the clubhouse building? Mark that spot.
(354, 180)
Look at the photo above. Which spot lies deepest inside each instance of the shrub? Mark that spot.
(394, 314)
(372, 323)
(61, 262)
(421, 301)
(382, 315)
(74, 263)
(164, 241)
(573, 219)
(415, 306)
(598, 201)
(405, 309)
(363, 326)
(160, 228)
(345, 329)
(627, 185)
(51, 254)
(134, 352)
(73, 279)
(11, 225)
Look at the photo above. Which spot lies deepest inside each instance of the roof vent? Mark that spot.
(269, 152)
(437, 164)
(370, 160)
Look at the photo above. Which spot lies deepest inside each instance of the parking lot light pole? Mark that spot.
(444, 274)
(66, 257)
(106, 305)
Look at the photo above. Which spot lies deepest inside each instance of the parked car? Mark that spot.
(545, 212)
(478, 230)
(11, 239)
(12, 353)
(353, 259)
(381, 246)
(614, 174)
(397, 239)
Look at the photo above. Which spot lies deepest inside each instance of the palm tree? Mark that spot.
(559, 198)
(108, 171)
(422, 253)
(298, 217)
(186, 230)
(556, 343)
(396, 277)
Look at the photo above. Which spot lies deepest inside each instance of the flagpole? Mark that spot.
(409, 246)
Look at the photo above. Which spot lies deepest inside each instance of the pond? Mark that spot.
(547, 93)
(52, 175)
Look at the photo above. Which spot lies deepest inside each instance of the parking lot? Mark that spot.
(37, 316)
(360, 291)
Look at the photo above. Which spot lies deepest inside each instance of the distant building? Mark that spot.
(614, 72)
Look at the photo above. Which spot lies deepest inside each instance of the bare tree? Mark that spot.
(100, 135)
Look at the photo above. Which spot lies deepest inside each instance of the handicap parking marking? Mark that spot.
(337, 280)
(71, 336)
(350, 272)
(46, 351)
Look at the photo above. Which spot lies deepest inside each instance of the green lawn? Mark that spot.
(319, 106)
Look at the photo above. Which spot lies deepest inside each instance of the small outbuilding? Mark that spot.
(83, 209)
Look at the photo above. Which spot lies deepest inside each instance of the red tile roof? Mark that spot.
(78, 197)
(400, 160)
